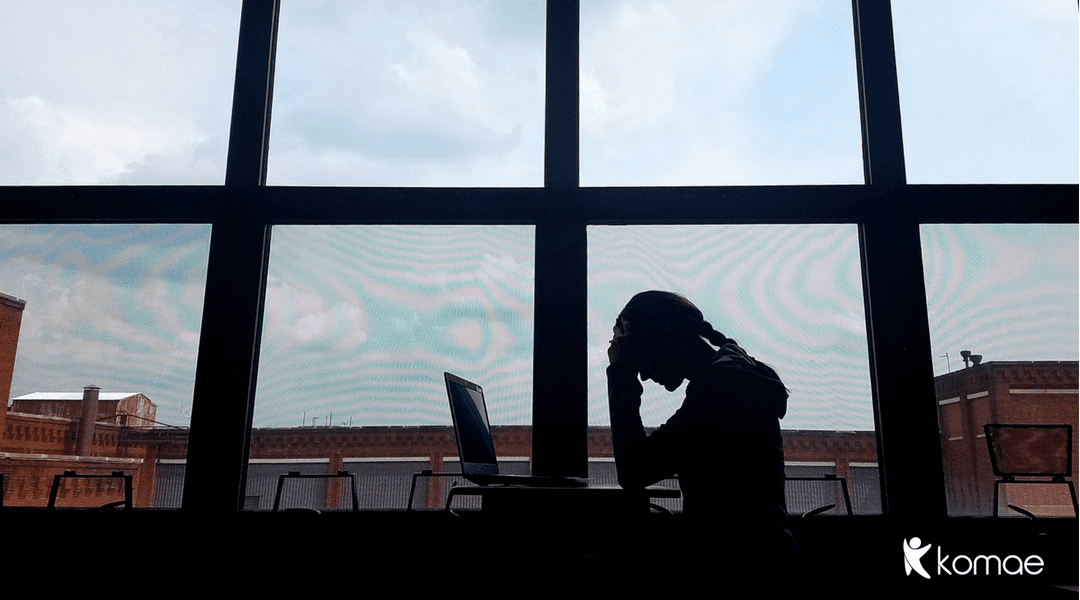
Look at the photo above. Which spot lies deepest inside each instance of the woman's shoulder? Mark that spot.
(733, 380)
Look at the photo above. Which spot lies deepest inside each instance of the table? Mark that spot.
(599, 499)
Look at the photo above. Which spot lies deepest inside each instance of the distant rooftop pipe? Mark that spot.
(971, 360)
(84, 440)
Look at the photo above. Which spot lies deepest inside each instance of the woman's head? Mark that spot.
(656, 311)
(663, 332)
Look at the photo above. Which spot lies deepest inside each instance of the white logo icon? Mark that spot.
(913, 554)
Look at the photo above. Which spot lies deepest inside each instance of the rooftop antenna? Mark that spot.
(947, 365)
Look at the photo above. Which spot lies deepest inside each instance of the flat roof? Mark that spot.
(75, 396)
(12, 300)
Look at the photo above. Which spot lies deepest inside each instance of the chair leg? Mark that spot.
(996, 485)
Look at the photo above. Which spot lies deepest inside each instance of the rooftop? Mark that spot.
(75, 396)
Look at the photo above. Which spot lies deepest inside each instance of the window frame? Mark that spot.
(242, 212)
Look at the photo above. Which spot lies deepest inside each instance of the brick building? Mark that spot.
(11, 311)
(43, 437)
(1007, 392)
(33, 448)
(118, 408)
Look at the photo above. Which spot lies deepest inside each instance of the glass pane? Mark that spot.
(118, 307)
(119, 92)
(790, 295)
(988, 90)
(416, 93)
(1003, 306)
(693, 93)
(359, 326)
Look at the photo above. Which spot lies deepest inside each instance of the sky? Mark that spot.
(117, 306)
(409, 94)
(116, 92)
(361, 321)
(718, 93)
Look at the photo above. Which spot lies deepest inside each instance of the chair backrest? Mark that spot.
(298, 475)
(1030, 449)
(54, 492)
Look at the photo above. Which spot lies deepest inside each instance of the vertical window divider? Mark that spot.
(902, 376)
(223, 398)
(560, 343)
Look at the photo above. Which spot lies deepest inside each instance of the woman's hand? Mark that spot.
(619, 348)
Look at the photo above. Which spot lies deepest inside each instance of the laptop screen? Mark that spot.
(477, 452)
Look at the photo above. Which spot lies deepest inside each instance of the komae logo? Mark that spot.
(913, 553)
(961, 564)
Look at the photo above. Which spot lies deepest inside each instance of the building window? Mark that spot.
(1002, 301)
(676, 93)
(791, 295)
(132, 93)
(117, 307)
(409, 94)
(988, 91)
(359, 326)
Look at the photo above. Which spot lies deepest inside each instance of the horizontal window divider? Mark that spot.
(994, 203)
(341, 206)
(110, 204)
(1021, 203)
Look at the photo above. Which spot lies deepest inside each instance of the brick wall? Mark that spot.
(11, 311)
(1017, 393)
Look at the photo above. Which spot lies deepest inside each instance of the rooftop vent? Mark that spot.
(971, 360)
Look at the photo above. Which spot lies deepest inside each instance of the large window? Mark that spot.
(791, 295)
(413, 93)
(692, 93)
(113, 307)
(360, 324)
(523, 145)
(362, 321)
(988, 90)
(120, 92)
(1003, 304)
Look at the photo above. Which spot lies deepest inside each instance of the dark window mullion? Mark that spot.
(235, 283)
(879, 93)
(249, 128)
(902, 374)
(560, 365)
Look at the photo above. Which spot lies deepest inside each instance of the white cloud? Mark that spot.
(116, 91)
(86, 146)
(701, 93)
(444, 95)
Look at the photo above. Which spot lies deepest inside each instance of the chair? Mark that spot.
(1043, 451)
(126, 502)
(425, 473)
(829, 478)
(298, 475)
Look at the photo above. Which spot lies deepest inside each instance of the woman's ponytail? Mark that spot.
(713, 336)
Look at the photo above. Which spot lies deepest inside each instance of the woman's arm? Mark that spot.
(639, 461)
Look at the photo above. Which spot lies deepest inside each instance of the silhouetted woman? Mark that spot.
(724, 441)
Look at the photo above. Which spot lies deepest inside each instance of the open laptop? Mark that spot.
(476, 451)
